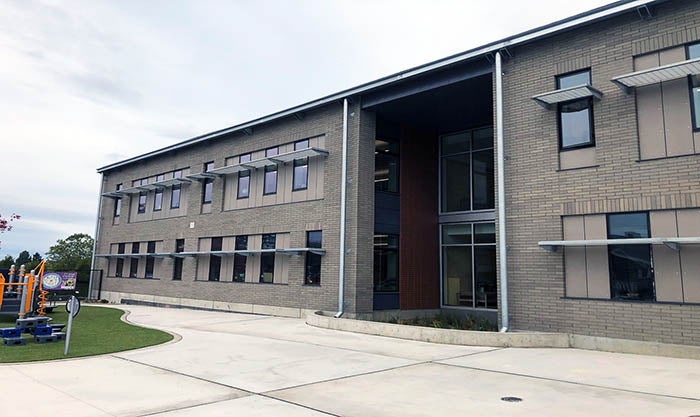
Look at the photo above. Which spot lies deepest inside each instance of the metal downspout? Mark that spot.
(502, 248)
(343, 205)
(97, 232)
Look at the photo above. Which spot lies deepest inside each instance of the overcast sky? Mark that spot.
(87, 83)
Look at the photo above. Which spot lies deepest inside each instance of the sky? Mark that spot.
(85, 83)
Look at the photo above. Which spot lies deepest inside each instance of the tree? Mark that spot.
(73, 253)
(7, 262)
(24, 258)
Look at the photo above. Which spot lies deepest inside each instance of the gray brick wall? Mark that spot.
(294, 218)
(537, 194)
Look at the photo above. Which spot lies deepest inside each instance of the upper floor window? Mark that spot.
(694, 52)
(175, 196)
(271, 151)
(208, 184)
(386, 166)
(177, 173)
(208, 166)
(302, 144)
(118, 203)
(142, 201)
(177, 264)
(576, 116)
(160, 177)
(467, 171)
(244, 178)
(158, 200)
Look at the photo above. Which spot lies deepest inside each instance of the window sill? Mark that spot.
(139, 278)
(577, 168)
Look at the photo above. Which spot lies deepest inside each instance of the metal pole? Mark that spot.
(343, 205)
(97, 232)
(502, 247)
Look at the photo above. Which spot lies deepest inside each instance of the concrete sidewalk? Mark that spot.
(230, 364)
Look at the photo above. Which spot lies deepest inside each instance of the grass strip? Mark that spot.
(96, 330)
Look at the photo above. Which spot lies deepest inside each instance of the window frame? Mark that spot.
(142, 202)
(267, 255)
(299, 163)
(589, 101)
(178, 262)
(118, 202)
(177, 187)
(238, 258)
(694, 117)
(310, 258)
(158, 202)
(241, 175)
(610, 248)
(269, 170)
(150, 260)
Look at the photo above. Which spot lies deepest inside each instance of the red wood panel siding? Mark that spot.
(419, 280)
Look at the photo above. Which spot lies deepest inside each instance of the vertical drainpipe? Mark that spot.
(502, 262)
(97, 232)
(343, 205)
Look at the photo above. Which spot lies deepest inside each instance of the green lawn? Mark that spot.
(96, 330)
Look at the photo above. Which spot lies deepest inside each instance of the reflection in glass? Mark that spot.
(267, 259)
(575, 123)
(457, 276)
(631, 272)
(386, 263)
(456, 173)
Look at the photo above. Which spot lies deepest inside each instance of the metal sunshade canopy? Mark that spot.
(628, 82)
(671, 242)
(270, 161)
(552, 98)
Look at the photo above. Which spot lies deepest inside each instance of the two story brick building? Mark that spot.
(550, 180)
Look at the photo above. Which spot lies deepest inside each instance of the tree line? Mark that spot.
(73, 253)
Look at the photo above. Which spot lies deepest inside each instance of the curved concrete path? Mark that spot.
(230, 364)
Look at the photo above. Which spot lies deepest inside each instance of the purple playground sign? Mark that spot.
(60, 280)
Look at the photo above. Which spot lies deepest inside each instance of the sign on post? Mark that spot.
(72, 307)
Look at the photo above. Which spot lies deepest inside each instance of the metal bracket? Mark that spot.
(672, 245)
(248, 131)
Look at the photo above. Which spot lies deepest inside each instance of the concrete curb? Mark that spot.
(494, 339)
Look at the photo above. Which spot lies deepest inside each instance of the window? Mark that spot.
(244, 158)
(243, 184)
(120, 261)
(177, 267)
(469, 265)
(267, 259)
(386, 263)
(239, 261)
(576, 116)
(694, 52)
(134, 267)
(160, 177)
(177, 173)
(118, 203)
(150, 260)
(208, 185)
(302, 144)
(300, 180)
(270, 182)
(631, 267)
(142, 202)
(467, 171)
(386, 166)
(270, 186)
(175, 197)
(158, 200)
(312, 272)
(215, 260)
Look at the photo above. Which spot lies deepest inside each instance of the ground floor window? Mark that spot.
(267, 259)
(469, 265)
(240, 261)
(386, 263)
(177, 267)
(631, 270)
(312, 268)
(215, 260)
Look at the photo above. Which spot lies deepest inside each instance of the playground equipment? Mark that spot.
(23, 294)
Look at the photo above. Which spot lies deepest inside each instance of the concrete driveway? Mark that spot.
(229, 364)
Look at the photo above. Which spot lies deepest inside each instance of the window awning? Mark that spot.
(299, 251)
(270, 161)
(671, 242)
(551, 99)
(171, 182)
(628, 82)
(201, 176)
(114, 194)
